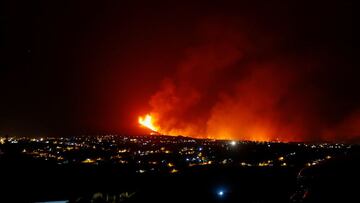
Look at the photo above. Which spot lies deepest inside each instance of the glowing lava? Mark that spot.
(148, 122)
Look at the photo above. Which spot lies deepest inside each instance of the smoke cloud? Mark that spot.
(233, 84)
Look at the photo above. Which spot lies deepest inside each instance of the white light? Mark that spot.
(221, 193)
(233, 143)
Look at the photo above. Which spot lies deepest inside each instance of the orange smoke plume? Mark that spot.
(225, 88)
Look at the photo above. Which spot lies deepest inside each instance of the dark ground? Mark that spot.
(24, 179)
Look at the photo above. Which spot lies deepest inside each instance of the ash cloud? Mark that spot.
(235, 84)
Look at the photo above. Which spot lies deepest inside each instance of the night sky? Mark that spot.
(259, 71)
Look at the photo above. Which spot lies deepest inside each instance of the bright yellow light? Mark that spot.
(174, 170)
(263, 164)
(281, 158)
(88, 161)
(147, 122)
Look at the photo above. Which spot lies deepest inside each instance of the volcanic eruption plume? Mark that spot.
(234, 85)
(247, 70)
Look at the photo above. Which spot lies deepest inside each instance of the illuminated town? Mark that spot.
(154, 156)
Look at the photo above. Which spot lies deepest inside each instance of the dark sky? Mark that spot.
(278, 70)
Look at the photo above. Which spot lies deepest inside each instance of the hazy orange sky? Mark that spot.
(222, 69)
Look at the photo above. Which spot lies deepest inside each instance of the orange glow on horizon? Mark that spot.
(160, 127)
(149, 121)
